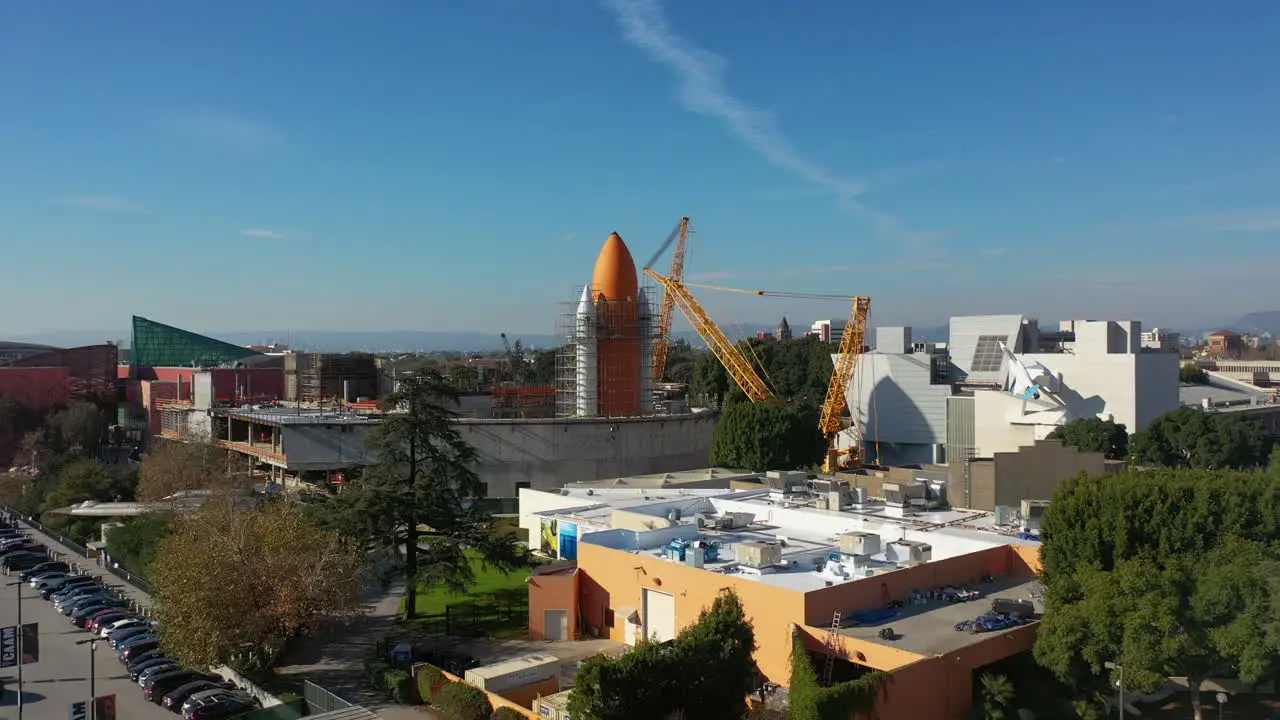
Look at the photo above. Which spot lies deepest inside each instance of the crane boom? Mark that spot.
(831, 420)
(735, 363)
(662, 343)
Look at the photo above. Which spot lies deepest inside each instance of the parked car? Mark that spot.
(107, 617)
(84, 601)
(154, 664)
(164, 683)
(119, 637)
(221, 709)
(177, 697)
(139, 639)
(131, 652)
(84, 613)
(49, 588)
(23, 547)
(24, 560)
(75, 592)
(45, 568)
(137, 660)
(208, 697)
(151, 672)
(125, 624)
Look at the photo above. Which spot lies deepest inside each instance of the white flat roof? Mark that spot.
(807, 534)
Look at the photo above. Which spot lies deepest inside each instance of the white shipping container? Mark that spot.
(514, 673)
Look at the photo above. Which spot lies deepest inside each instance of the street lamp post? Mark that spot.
(19, 586)
(1119, 669)
(93, 675)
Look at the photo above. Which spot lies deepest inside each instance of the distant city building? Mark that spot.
(1162, 340)
(827, 330)
(784, 329)
(1226, 344)
(1261, 341)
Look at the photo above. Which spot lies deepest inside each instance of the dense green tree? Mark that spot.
(81, 480)
(706, 673)
(135, 544)
(419, 494)
(1162, 571)
(1093, 435)
(767, 436)
(79, 427)
(1192, 438)
(1192, 374)
(681, 359)
(997, 694)
(543, 370)
(710, 380)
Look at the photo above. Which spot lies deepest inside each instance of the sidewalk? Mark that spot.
(334, 660)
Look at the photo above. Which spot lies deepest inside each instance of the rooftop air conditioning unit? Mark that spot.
(758, 555)
(910, 551)
(860, 543)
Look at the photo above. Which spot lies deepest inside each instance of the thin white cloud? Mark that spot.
(701, 90)
(993, 252)
(263, 233)
(231, 131)
(107, 203)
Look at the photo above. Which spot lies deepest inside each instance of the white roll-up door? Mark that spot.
(659, 616)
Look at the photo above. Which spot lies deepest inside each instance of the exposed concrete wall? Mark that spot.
(546, 454)
(1032, 473)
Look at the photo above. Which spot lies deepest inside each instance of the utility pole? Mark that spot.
(93, 675)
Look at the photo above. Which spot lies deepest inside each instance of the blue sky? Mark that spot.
(225, 164)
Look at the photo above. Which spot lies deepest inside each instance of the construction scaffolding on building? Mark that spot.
(322, 378)
(590, 382)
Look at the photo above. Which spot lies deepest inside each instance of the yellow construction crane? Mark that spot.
(831, 421)
(662, 342)
(729, 354)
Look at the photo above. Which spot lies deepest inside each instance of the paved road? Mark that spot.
(62, 675)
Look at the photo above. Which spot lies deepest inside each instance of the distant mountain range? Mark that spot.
(446, 340)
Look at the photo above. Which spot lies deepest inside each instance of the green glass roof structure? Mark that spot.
(159, 345)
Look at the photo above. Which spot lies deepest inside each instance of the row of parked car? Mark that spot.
(94, 606)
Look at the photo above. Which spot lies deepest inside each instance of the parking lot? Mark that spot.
(61, 677)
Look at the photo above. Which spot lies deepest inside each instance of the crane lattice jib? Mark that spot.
(851, 344)
(662, 344)
(735, 363)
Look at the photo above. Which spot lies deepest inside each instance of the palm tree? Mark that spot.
(997, 696)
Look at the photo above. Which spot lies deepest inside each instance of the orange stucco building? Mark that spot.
(625, 593)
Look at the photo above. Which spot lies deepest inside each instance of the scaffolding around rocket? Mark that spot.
(604, 369)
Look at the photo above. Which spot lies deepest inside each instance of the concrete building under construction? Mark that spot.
(330, 377)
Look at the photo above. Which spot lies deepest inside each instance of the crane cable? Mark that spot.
(755, 360)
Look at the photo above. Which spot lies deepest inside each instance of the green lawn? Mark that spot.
(496, 605)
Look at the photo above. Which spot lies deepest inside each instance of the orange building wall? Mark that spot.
(553, 591)
(615, 578)
(526, 694)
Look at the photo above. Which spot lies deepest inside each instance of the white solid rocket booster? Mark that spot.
(585, 375)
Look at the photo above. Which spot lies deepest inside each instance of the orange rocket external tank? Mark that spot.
(618, 341)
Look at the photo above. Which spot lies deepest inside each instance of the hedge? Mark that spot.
(458, 701)
(506, 713)
(430, 682)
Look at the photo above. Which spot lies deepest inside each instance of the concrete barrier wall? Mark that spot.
(268, 700)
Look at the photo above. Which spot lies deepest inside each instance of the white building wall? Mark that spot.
(1132, 389)
(899, 408)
